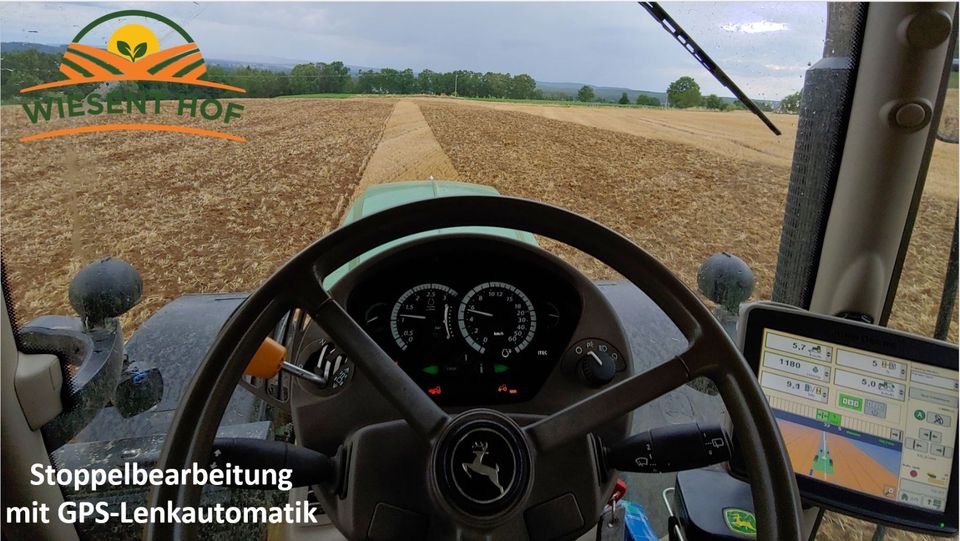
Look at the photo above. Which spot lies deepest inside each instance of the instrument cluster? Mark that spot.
(470, 328)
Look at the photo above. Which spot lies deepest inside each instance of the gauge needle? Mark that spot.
(478, 312)
(412, 316)
(594, 355)
(446, 319)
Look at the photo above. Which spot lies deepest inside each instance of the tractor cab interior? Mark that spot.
(432, 368)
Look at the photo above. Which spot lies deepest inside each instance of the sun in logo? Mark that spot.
(133, 42)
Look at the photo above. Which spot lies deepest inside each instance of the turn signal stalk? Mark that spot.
(670, 448)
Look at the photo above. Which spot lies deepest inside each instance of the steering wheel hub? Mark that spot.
(482, 464)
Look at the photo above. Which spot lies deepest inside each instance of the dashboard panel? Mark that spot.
(470, 322)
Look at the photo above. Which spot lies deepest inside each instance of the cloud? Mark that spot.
(756, 27)
(780, 67)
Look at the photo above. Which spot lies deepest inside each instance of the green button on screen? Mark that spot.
(854, 403)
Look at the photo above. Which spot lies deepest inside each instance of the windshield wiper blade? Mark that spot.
(671, 26)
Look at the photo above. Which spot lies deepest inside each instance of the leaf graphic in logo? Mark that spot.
(124, 49)
(139, 51)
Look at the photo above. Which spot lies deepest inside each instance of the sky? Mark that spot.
(764, 47)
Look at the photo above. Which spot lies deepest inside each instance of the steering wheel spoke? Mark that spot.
(423, 415)
(591, 413)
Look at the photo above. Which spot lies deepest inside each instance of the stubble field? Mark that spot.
(200, 215)
(192, 214)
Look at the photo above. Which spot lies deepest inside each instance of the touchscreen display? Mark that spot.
(866, 422)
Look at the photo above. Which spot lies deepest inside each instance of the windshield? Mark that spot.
(203, 215)
(209, 169)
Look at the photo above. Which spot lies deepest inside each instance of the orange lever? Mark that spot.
(267, 360)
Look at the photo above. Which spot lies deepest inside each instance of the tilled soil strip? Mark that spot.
(407, 151)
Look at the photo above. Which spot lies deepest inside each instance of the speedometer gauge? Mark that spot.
(423, 315)
(497, 317)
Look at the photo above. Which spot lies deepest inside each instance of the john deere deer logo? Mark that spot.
(477, 466)
(133, 53)
(740, 521)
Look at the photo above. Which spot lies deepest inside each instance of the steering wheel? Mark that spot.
(298, 284)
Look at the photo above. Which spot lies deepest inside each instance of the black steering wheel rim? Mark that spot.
(298, 285)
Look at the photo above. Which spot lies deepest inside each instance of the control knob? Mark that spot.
(596, 368)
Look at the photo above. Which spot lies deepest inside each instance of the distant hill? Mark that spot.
(17, 46)
(269, 66)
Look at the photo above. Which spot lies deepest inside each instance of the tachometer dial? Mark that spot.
(497, 317)
(423, 316)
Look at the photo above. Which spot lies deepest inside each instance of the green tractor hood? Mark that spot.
(384, 196)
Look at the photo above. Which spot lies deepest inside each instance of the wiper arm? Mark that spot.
(671, 26)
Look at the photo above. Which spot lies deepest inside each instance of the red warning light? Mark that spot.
(434, 391)
(513, 391)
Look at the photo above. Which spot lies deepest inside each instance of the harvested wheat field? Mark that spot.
(192, 214)
(737, 135)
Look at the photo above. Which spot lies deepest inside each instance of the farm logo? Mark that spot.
(740, 521)
(133, 53)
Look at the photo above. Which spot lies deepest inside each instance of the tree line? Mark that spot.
(336, 78)
(22, 69)
(26, 68)
(30, 67)
(685, 92)
(586, 94)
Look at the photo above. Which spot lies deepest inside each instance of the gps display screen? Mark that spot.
(867, 422)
